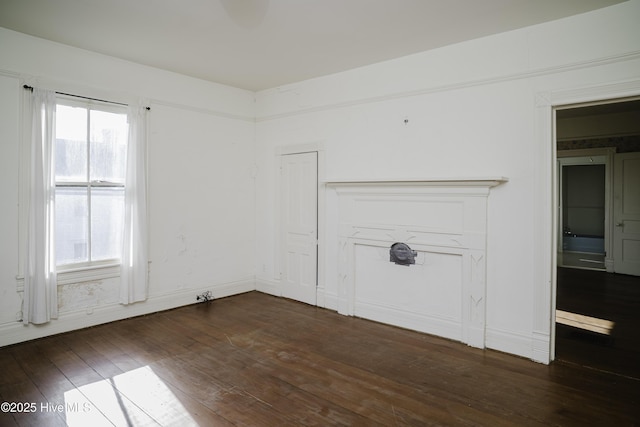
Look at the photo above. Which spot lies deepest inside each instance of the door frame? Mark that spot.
(318, 148)
(546, 198)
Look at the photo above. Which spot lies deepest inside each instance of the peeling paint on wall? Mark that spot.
(77, 296)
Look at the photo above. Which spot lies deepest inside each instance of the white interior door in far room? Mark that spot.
(299, 184)
(626, 212)
(583, 211)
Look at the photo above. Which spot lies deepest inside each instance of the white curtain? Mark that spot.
(40, 285)
(134, 267)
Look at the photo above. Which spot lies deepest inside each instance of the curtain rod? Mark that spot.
(84, 97)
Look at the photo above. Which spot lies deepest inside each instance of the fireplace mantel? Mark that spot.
(490, 181)
(444, 220)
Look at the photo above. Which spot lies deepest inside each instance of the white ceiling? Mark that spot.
(259, 44)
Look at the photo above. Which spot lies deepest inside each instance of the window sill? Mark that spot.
(80, 274)
(88, 273)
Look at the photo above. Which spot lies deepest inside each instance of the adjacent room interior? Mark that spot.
(597, 293)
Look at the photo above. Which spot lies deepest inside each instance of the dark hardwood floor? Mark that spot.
(606, 296)
(257, 360)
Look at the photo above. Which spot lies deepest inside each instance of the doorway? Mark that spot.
(299, 258)
(597, 308)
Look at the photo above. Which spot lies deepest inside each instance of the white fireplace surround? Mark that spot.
(445, 222)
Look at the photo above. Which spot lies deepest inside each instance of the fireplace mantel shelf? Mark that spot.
(445, 221)
(490, 181)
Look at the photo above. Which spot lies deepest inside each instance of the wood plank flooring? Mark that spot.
(257, 360)
(606, 296)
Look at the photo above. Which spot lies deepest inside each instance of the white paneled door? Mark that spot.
(299, 173)
(626, 212)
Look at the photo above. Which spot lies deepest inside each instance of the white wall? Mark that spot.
(480, 108)
(201, 188)
(9, 299)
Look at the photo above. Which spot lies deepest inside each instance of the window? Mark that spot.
(90, 164)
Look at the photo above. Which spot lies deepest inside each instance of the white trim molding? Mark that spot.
(445, 87)
(546, 201)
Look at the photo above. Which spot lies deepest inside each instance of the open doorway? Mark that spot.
(597, 308)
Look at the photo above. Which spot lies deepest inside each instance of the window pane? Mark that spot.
(71, 144)
(72, 228)
(107, 216)
(108, 146)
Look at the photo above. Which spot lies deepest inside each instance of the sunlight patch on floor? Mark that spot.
(137, 397)
(588, 323)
